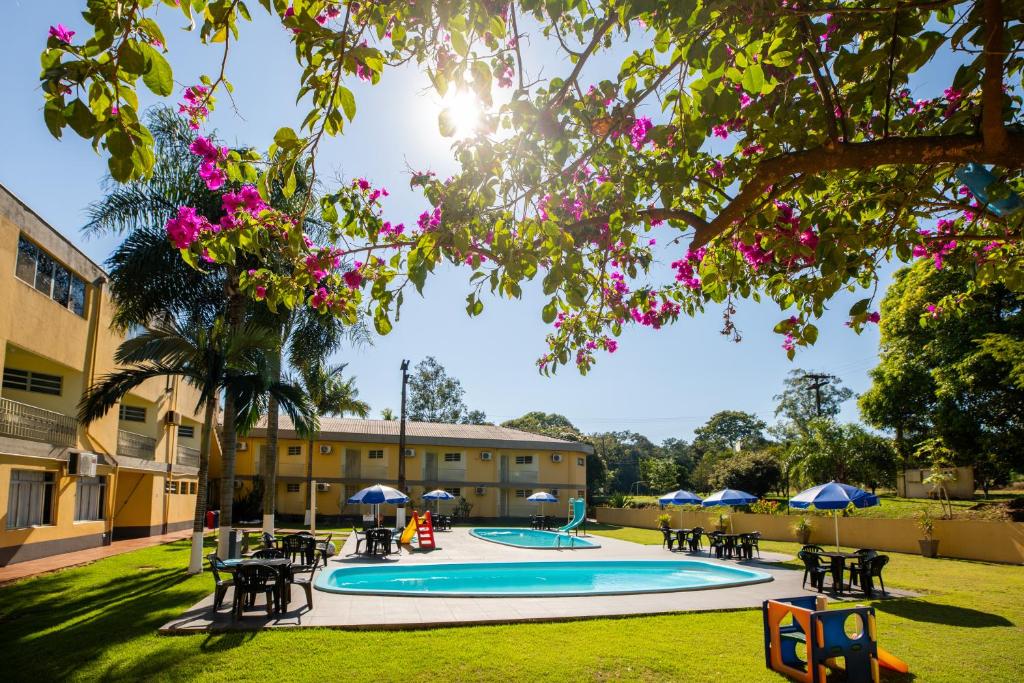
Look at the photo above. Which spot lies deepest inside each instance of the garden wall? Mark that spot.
(963, 539)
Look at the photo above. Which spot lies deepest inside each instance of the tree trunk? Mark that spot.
(270, 461)
(235, 313)
(309, 480)
(195, 564)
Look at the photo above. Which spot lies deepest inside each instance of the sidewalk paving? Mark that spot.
(22, 570)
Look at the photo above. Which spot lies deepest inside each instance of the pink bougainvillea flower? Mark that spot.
(62, 33)
(638, 133)
(261, 292)
(183, 230)
(213, 175)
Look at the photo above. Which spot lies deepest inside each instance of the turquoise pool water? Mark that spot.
(538, 579)
(531, 538)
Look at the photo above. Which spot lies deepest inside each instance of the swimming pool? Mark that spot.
(532, 538)
(536, 579)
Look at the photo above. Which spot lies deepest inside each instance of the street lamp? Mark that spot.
(400, 511)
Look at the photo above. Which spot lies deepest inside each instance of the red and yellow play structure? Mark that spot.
(422, 528)
(827, 636)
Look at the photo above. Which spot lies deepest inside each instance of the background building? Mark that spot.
(493, 468)
(55, 341)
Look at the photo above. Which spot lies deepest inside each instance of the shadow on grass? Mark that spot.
(948, 615)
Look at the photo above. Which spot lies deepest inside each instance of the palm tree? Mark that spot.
(330, 394)
(211, 359)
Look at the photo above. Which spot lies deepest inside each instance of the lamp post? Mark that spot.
(400, 511)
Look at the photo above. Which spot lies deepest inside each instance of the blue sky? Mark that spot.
(660, 383)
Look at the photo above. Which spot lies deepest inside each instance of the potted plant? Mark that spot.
(720, 522)
(802, 529)
(663, 520)
(929, 545)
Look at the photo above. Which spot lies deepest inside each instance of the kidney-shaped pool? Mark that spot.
(538, 579)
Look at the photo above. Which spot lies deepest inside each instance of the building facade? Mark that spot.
(493, 469)
(64, 486)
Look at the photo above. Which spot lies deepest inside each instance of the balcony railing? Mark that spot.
(136, 445)
(189, 457)
(23, 421)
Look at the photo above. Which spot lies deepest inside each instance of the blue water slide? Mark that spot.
(579, 514)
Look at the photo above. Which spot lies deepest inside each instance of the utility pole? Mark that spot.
(818, 380)
(401, 430)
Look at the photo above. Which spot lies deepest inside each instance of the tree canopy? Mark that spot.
(808, 395)
(730, 430)
(766, 150)
(436, 396)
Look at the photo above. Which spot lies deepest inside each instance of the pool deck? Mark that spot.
(332, 610)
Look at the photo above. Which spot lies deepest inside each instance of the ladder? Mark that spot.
(424, 530)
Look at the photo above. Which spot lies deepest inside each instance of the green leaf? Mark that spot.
(753, 79)
(445, 123)
(348, 102)
(159, 77)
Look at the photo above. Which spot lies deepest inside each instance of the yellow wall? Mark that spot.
(964, 539)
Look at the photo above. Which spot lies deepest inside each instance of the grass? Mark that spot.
(894, 507)
(99, 621)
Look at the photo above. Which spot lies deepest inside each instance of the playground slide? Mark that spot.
(409, 532)
(890, 661)
(579, 514)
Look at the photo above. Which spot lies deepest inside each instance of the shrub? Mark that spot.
(755, 472)
(619, 500)
(766, 507)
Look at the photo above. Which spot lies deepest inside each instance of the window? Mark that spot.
(375, 455)
(186, 432)
(38, 269)
(30, 500)
(524, 493)
(581, 462)
(192, 488)
(90, 496)
(579, 493)
(171, 487)
(524, 459)
(457, 492)
(32, 381)
(295, 450)
(132, 413)
(453, 457)
(293, 488)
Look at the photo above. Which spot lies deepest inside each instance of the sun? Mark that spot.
(462, 112)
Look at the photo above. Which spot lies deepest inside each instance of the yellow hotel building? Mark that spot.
(65, 487)
(495, 469)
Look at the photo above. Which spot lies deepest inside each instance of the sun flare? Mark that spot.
(463, 113)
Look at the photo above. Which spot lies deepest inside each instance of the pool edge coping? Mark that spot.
(591, 544)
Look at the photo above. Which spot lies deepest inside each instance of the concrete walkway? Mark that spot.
(334, 610)
(23, 570)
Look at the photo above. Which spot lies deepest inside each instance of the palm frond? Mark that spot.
(104, 395)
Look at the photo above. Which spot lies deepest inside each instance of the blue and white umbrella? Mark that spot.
(729, 497)
(680, 497)
(542, 497)
(377, 494)
(438, 495)
(833, 496)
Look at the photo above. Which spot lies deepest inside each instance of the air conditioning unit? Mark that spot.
(556, 457)
(241, 446)
(238, 484)
(480, 490)
(323, 486)
(486, 456)
(82, 464)
(410, 452)
(172, 417)
(326, 450)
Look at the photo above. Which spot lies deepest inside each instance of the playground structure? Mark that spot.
(827, 635)
(577, 516)
(422, 528)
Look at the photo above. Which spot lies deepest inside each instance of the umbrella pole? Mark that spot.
(835, 518)
(680, 516)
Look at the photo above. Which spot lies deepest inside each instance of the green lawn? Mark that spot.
(99, 621)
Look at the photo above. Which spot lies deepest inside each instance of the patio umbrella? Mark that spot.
(833, 496)
(542, 497)
(680, 497)
(438, 495)
(729, 497)
(377, 494)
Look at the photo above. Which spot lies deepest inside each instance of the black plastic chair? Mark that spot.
(296, 578)
(667, 538)
(695, 543)
(716, 544)
(220, 586)
(379, 541)
(323, 546)
(813, 548)
(754, 539)
(360, 538)
(252, 580)
(813, 570)
(268, 554)
(300, 549)
(867, 570)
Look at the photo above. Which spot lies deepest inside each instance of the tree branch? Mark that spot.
(941, 149)
(992, 129)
